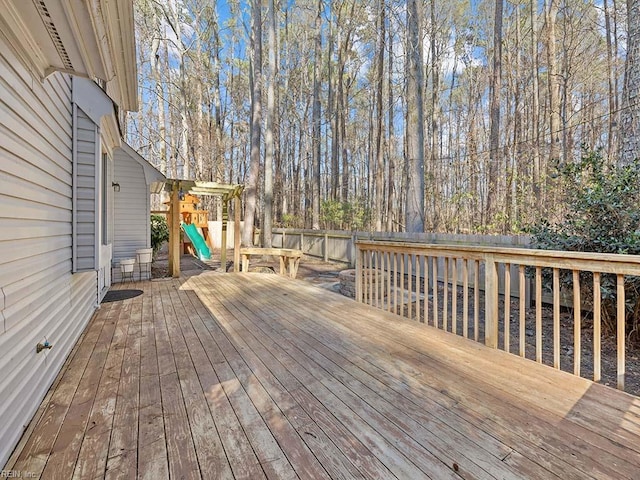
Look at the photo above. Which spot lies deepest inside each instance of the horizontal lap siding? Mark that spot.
(39, 297)
(131, 203)
(86, 166)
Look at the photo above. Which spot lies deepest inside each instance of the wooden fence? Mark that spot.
(399, 277)
(340, 245)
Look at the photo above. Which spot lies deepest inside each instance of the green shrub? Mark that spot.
(603, 215)
(344, 215)
(159, 231)
(331, 214)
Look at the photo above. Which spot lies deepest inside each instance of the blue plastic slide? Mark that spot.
(197, 241)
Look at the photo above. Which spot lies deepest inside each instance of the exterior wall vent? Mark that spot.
(53, 33)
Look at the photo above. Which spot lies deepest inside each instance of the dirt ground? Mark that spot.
(325, 275)
(311, 269)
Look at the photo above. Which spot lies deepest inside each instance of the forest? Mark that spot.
(354, 114)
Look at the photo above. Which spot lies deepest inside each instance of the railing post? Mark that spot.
(358, 262)
(326, 247)
(491, 302)
(352, 251)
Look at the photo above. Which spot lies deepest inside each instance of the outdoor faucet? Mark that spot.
(42, 346)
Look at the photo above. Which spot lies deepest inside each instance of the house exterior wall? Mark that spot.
(131, 227)
(86, 191)
(40, 299)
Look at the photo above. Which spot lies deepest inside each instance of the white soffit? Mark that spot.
(55, 35)
(88, 38)
(118, 17)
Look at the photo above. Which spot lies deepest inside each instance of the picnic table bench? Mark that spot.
(289, 258)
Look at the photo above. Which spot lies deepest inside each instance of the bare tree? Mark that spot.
(630, 118)
(269, 139)
(553, 80)
(251, 189)
(379, 193)
(316, 120)
(495, 154)
(414, 213)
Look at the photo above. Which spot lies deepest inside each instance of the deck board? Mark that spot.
(122, 457)
(260, 376)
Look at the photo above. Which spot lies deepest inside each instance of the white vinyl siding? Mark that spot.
(86, 149)
(131, 204)
(39, 296)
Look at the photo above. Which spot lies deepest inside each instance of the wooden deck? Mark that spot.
(253, 376)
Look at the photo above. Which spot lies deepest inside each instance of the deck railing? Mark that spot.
(463, 290)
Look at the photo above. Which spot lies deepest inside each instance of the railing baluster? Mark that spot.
(388, 277)
(507, 307)
(621, 334)
(556, 318)
(445, 304)
(418, 288)
(522, 311)
(367, 285)
(380, 276)
(426, 289)
(597, 365)
(380, 280)
(376, 281)
(577, 320)
(370, 280)
(359, 262)
(454, 296)
(365, 276)
(465, 297)
(476, 299)
(490, 302)
(435, 291)
(409, 284)
(539, 314)
(395, 283)
(363, 273)
(403, 259)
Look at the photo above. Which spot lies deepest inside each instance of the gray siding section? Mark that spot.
(132, 210)
(86, 149)
(39, 297)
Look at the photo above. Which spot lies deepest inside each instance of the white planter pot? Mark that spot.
(126, 265)
(145, 255)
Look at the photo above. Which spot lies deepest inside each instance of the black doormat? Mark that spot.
(117, 295)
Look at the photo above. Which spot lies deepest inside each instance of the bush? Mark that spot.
(159, 232)
(336, 215)
(603, 215)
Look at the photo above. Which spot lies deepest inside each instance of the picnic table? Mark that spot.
(289, 258)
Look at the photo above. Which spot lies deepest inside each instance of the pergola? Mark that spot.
(227, 192)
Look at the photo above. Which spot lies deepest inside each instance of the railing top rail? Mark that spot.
(589, 261)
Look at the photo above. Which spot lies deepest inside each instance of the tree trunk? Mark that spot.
(269, 140)
(155, 70)
(379, 117)
(251, 193)
(630, 115)
(315, 176)
(495, 153)
(553, 81)
(414, 212)
(535, 108)
(611, 83)
(391, 190)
